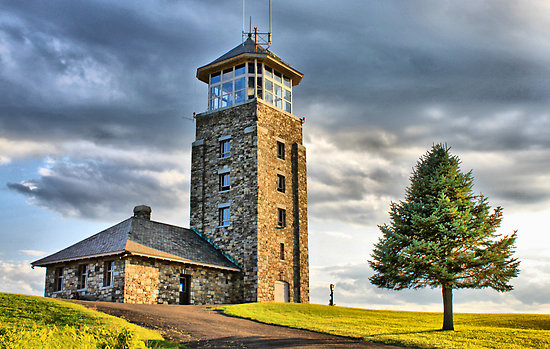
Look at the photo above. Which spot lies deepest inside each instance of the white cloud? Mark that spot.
(34, 253)
(19, 277)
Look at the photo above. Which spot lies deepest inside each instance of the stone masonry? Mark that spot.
(146, 281)
(253, 238)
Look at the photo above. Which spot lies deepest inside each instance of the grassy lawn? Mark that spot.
(37, 322)
(413, 329)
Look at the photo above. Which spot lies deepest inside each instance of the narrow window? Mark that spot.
(82, 276)
(280, 150)
(281, 183)
(225, 148)
(281, 221)
(108, 273)
(58, 279)
(282, 252)
(224, 217)
(224, 181)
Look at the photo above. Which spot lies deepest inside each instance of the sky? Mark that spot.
(97, 98)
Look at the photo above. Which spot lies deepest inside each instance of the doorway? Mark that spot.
(281, 292)
(185, 286)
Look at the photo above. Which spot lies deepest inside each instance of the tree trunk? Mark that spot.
(447, 308)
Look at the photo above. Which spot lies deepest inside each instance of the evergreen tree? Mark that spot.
(442, 235)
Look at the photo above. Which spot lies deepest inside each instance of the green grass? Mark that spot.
(38, 322)
(412, 329)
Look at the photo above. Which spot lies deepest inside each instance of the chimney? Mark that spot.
(142, 211)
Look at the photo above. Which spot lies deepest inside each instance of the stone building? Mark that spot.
(248, 240)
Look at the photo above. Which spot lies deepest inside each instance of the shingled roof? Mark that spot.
(248, 51)
(143, 237)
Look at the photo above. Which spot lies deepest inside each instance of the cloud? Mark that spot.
(34, 253)
(18, 277)
(103, 187)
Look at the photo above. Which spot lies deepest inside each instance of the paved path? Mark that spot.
(202, 327)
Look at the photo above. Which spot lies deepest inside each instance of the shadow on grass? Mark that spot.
(162, 344)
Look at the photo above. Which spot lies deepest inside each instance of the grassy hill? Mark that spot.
(413, 329)
(37, 322)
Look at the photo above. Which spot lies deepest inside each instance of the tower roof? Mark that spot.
(246, 52)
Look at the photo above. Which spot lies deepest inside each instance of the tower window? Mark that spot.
(282, 252)
(82, 276)
(281, 221)
(108, 273)
(280, 150)
(225, 181)
(225, 148)
(278, 90)
(224, 216)
(58, 279)
(281, 183)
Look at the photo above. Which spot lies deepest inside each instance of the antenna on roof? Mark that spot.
(260, 38)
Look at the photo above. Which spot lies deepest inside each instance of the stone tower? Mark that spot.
(248, 174)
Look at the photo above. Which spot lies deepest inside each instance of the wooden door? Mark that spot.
(281, 292)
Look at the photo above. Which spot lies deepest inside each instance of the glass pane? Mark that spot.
(288, 95)
(278, 77)
(251, 82)
(268, 85)
(228, 87)
(259, 82)
(240, 69)
(215, 103)
(227, 100)
(288, 107)
(269, 97)
(250, 68)
(259, 93)
(278, 90)
(215, 91)
(240, 96)
(240, 84)
(228, 74)
(278, 102)
(259, 68)
(215, 78)
(286, 81)
(268, 72)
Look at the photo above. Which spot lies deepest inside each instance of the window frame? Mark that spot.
(222, 151)
(281, 183)
(108, 273)
(222, 221)
(83, 276)
(224, 186)
(280, 150)
(281, 217)
(58, 284)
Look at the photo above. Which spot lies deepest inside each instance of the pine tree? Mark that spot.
(442, 235)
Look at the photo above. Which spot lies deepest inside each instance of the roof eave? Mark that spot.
(184, 261)
(63, 260)
(204, 72)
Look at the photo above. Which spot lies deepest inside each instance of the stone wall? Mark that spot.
(95, 289)
(239, 239)
(151, 281)
(253, 238)
(277, 126)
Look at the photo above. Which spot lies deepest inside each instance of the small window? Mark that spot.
(58, 286)
(281, 221)
(108, 273)
(224, 181)
(282, 251)
(280, 150)
(225, 148)
(281, 183)
(224, 217)
(82, 276)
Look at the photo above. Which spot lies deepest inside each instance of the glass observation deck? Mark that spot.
(247, 81)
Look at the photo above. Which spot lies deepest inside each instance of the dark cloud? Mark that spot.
(105, 189)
